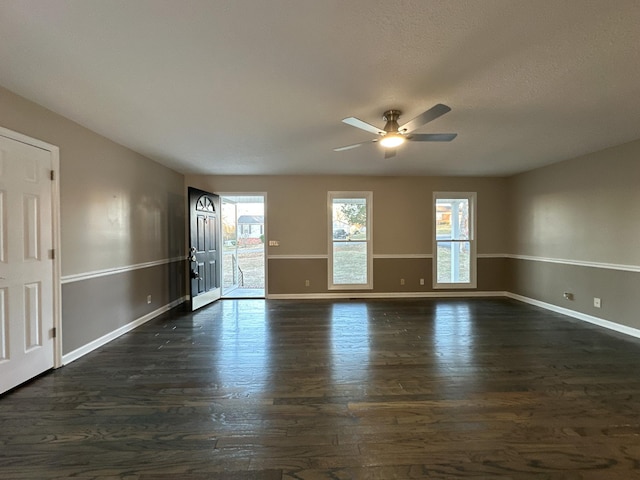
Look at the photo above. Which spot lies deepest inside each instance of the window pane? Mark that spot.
(349, 219)
(350, 240)
(453, 262)
(452, 219)
(349, 263)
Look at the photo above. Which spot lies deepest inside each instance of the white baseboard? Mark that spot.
(381, 295)
(634, 332)
(99, 342)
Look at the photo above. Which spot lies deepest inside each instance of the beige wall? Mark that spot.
(581, 211)
(586, 208)
(296, 213)
(118, 209)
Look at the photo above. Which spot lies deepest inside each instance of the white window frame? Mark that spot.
(471, 197)
(368, 197)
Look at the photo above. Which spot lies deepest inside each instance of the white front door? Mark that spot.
(26, 265)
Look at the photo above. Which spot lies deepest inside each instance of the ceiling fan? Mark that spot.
(394, 135)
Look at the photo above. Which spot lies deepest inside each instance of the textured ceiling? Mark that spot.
(260, 87)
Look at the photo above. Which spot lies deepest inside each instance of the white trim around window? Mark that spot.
(351, 238)
(458, 240)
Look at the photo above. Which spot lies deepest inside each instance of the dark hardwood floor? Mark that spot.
(255, 389)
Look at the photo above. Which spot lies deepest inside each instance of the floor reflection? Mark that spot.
(350, 343)
(453, 339)
(243, 345)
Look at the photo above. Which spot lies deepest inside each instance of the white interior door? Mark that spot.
(26, 265)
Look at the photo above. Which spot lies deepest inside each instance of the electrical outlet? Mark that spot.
(148, 298)
(402, 281)
(597, 302)
(568, 295)
(422, 281)
(307, 283)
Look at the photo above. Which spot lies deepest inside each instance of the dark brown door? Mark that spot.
(204, 250)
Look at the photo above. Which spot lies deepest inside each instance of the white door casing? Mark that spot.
(29, 266)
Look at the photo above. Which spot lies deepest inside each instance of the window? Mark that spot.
(454, 259)
(350, 250)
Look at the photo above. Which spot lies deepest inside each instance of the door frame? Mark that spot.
(55, 234)
(266, 230)
(236, 274)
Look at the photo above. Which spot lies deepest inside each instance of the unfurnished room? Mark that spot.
(295, 239)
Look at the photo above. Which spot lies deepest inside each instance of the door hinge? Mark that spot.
(54, 332)
(52, 254)
(53, 175)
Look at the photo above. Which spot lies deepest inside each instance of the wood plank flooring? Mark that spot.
(402, 389)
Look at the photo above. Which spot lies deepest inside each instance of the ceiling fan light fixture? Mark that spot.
(394, 135)
(392, 140)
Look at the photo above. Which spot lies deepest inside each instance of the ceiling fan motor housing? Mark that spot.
(391, 117)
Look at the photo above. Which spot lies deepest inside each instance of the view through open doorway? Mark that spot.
(243, 248)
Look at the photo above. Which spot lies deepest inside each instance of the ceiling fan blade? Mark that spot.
(431, 137)
(367, 127)
(424, 118)
(355, 145)
(390, 153)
